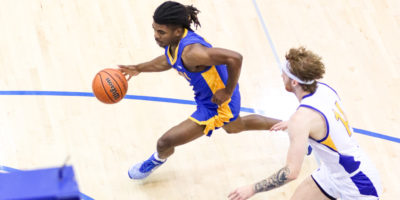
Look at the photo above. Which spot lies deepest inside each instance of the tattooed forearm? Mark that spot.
(276, 180)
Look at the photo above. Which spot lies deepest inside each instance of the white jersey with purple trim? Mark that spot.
(345, 171)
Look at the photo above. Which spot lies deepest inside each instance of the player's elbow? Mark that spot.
(239, 58)
(235, 59)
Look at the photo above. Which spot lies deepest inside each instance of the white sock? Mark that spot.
(158, 158)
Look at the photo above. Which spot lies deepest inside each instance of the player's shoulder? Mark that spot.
(193, 50)
(304, 114)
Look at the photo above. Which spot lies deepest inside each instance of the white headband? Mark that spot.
(285, 68)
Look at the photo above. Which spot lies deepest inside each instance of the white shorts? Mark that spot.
(362, 184)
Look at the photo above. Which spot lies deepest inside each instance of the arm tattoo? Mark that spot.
(276, 180)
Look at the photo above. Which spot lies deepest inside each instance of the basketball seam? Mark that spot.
(123, 84)
(116, 83)
(101, 80)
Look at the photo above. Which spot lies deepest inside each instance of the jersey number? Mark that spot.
(341, 117)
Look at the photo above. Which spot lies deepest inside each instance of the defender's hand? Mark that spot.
(242, 193)
(281, 126)
(221, 96)
(129, 70)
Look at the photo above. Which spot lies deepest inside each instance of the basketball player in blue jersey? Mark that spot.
(212, 72)
(345, 171)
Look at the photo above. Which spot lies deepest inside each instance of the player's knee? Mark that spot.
(164, 143)
(233, 130)
(236, 127)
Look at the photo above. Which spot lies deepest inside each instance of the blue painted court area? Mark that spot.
(10, 169)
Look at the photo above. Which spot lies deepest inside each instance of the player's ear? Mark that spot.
(294, 83)
(178, 31)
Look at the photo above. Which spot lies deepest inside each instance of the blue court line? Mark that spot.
(377, 135)
(89, 94)
(271, 44)
(9, 169)
(168, 100)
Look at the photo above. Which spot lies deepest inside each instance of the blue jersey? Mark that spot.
(205, 84)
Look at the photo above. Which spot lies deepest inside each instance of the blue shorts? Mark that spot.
(216, 117)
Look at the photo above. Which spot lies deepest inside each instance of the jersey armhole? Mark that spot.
(326, 121)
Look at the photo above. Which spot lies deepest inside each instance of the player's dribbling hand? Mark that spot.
(281, 126)
(129, 70)
(242, 193)
(220, 96)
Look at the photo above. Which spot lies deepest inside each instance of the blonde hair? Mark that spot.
(306, 65)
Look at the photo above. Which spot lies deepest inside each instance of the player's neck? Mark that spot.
(173, 45)
(300, 93)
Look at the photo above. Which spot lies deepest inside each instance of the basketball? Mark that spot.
(109, 86)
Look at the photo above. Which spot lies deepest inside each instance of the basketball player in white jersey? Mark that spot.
(345, 171)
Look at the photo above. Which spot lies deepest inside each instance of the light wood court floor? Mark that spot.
(59, 45)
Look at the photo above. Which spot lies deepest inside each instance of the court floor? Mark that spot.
(51, 51)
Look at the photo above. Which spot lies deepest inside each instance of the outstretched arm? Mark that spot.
(156, 65)
(199, 55)
(298, 133)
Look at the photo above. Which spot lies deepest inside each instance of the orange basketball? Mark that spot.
(109, 86)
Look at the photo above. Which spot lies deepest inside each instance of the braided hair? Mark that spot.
(174, 13)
